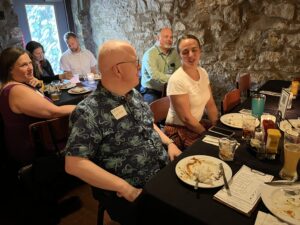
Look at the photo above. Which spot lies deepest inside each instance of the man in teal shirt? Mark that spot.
(159, 62)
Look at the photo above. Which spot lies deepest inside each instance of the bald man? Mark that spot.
(114, 145)
(159, 63)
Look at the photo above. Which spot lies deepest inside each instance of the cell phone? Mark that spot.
(221, 131)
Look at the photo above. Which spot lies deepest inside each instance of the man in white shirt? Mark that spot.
(76, 60)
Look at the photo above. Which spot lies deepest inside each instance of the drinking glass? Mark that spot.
(291, 154)
(54, 90)
(90, 78)
(248, 127)
(227, 147)
(258, 104)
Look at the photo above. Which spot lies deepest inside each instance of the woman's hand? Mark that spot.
(34, 82)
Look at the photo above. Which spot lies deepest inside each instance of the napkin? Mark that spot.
(211, 140)
(267, 219)
(271, 93)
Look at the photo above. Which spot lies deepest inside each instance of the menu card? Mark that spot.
(244, 188)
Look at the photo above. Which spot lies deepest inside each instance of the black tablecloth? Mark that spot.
(167, 200)
(74, 99)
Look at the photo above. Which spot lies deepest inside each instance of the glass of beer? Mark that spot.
(291, 154)
(54, 90)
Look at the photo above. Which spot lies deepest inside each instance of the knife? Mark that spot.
(224, 179)
(278, 183)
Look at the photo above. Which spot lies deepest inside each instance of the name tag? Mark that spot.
(119, 112)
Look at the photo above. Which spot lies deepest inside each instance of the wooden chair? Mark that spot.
(160, 108)
(49, 136)
(230, 100)
(244, 83)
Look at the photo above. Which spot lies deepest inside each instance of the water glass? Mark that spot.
(90, 78)
(248, 127)
(291, 154)
(258, 104)
(227, 147)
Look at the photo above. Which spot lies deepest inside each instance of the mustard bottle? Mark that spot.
(274, 136)
(294, 87)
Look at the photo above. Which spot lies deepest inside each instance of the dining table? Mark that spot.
(67, 98)
(166, 199)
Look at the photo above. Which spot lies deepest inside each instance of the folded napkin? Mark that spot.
(211, 140)
(271, 93)
(267, 219)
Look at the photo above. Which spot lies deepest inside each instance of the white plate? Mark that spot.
(67, 86)
(74, 92)
(282, 205)
(206, 167)
(284, 125)
(235, 120)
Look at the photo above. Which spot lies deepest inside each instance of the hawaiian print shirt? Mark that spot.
(128, 147)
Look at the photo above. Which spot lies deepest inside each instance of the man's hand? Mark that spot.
(66, 75)
(129, 192)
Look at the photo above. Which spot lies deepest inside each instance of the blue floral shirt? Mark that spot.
(128, 147)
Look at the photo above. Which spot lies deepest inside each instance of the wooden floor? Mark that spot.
(87, 214)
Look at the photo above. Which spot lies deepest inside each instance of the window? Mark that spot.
(42, 26)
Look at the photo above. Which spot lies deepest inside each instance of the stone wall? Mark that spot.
(257, 36)
(11, 33)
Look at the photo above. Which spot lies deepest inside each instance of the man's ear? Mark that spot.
(116, 71)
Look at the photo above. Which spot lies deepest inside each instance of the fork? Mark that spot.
(196, 181)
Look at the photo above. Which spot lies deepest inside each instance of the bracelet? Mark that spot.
(170, 142)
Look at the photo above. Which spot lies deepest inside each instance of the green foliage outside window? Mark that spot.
(43, 28)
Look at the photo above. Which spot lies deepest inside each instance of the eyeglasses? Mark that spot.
(137, 62)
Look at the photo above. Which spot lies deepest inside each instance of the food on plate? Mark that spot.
(288, 204)
(67, 85)
(78, 90)
(204, 170)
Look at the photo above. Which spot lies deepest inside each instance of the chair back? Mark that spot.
(244, 83)
(160, 108)
(230, 100)
(49, 136)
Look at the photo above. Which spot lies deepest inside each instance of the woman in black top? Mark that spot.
(42, 68)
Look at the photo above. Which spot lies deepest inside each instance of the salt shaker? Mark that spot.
(259, 136)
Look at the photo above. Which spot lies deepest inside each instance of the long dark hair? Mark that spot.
(32, 45)
(8, 58)
(187, 36)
